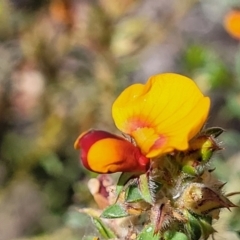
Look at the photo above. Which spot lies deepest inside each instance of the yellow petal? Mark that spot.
(162, 115)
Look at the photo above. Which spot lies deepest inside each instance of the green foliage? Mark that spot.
(202, 61)
(114, 211)
(105, 232)
(52, 165)
(214, 131)
(133, 194)
(148, 233)
(144, 188)
(175, 236)
(123, 180)
(193, 227)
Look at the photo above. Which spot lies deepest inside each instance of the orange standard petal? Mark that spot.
(232, 23)
(162, 115)
(103, 152)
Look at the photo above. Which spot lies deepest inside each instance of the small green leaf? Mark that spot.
(114, 211)
(123, 180)
(189, 170)
(175, 236)
(106, 232)
(207, 228)
(144, 188)
(207, 150)
(213, 131)
(133, 194)
(193, 227)
(148, 233)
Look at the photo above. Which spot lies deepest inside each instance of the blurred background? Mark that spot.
(62, 64)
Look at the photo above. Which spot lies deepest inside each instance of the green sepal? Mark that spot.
(114, 211)
(105, 231)
(193, 228)
(207, 150)
(148, 233)
(169, 235)
(207, 228)
(213, 131)
(200, 151)
(189, 170)
(133, 194)
(123, 181)
(144, 189)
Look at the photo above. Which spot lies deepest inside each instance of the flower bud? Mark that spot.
(205, 146)
(200, 199)
(200, 152)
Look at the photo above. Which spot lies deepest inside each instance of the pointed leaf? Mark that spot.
(189, 170)
(133, 194)
(207, 228)
(214, 131)
(148, 233)
(114, 211)
(106, 232)
(123, 180)
(175, 236)
(144, 189)
(193, 228)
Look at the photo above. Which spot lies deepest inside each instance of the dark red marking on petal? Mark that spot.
(131, 155)
(87, 139)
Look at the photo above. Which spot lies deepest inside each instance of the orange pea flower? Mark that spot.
(161, 116)
(232, 23)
